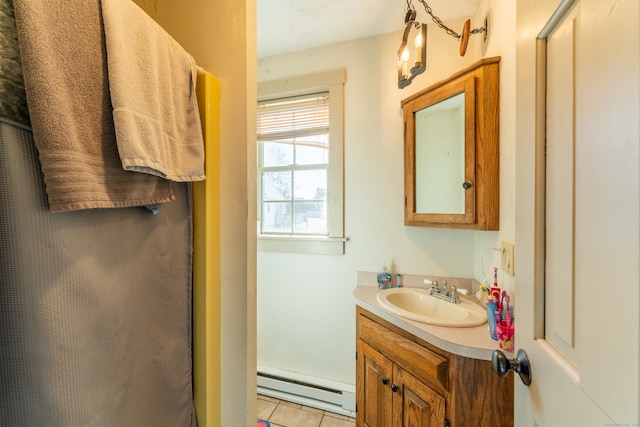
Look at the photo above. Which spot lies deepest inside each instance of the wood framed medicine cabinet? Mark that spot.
(451, 151)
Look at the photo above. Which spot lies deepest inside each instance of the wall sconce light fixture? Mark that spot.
(406, 74)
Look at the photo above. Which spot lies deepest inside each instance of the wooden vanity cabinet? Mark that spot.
(403, 381)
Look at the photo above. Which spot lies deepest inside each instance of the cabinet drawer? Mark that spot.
(424, 364)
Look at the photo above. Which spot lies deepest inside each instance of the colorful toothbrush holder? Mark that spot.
(506, 337)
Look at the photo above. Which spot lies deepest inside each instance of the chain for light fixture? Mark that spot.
(411, 13)
(435, 19)
(466, 31)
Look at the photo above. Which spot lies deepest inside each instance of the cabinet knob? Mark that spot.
(394, 387)
(519, 364)
(466, 185)
(385, 380)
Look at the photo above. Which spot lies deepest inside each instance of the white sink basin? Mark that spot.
(416, 304)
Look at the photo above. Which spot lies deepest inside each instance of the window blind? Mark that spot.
(293, 117)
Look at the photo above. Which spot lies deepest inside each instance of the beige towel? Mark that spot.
(65, 72)
(152, 82)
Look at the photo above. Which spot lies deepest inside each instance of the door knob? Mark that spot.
(394, 387)
(466, 185)
(385, 380)
(519, 364)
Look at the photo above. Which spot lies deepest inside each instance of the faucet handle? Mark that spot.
(454, 295)
(434, 289)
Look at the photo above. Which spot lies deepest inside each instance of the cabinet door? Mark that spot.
(374, 388)
(414, 403)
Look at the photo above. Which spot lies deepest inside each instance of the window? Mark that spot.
(293, 151)
(300, 164)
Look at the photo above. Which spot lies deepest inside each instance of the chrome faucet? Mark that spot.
(443, 292)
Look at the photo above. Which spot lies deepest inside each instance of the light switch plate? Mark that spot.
(507, 262)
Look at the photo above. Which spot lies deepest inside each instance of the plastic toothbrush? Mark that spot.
(507, 310)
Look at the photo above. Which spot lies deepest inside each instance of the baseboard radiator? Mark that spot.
(336, 397)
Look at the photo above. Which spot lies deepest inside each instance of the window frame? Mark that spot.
(334, 243)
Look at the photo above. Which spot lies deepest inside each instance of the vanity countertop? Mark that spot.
(473, 342)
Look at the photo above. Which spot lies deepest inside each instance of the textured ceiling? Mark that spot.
(291, 25)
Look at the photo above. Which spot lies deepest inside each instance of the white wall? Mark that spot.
(306, 315)
(501, 42)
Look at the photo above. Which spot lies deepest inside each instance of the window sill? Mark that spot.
(302, 244)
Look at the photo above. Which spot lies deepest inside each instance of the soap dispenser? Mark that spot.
(384, 278)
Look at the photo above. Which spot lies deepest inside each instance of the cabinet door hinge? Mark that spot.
(356, 355)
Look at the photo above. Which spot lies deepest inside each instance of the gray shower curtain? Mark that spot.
(95, 305)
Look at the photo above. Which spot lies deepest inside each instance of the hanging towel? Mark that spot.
(65, 75)
(13, 101)
(152, 82)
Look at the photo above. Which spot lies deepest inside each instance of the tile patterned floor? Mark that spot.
(280, 413)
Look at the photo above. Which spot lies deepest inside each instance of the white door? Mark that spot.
(578, 211)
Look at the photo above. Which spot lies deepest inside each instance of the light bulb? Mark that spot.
(405, 66)
(405, 55)
(419, 48)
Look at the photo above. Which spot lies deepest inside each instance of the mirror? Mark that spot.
(443, 181)
(439, 155)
